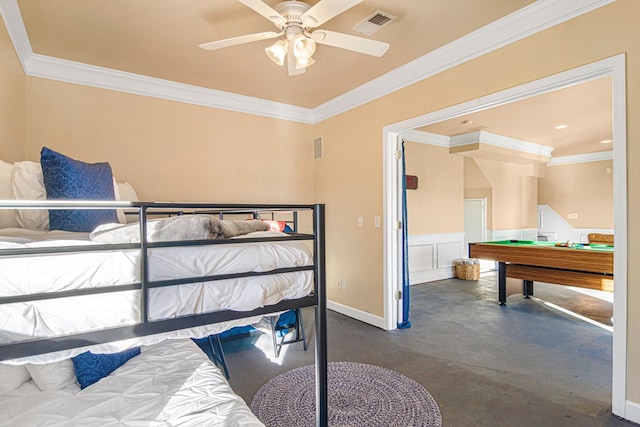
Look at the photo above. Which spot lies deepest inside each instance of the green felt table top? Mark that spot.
(536, 243)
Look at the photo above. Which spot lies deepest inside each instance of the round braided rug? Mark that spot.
(358, 395)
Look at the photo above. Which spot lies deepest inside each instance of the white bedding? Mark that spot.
(168, 384)
(61, 272)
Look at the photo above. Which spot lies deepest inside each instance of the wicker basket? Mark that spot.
(467, 269)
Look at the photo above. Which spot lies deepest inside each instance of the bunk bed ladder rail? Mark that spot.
(322, 419)
(144, 266)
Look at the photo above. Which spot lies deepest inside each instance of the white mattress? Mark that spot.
(62, 272)
(169, 384)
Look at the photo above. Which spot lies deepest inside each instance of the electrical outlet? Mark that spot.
(572, 216)
(344, 284)
(339, 283)
(360, 221)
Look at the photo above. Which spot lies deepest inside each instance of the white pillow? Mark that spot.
(52, 376)
(27, 183)
(125, 191)
(13, 376)
(7, 216)
(122, 218)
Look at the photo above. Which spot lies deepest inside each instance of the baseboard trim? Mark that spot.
(363, 316)
(632, 411)
(418, 277)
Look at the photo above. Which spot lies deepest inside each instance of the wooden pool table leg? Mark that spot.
(527, 288)
(502, 283)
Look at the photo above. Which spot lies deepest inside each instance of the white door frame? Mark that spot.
(392, 209)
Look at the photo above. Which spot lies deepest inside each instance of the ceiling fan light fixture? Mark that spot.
(277, 51)
(304, 63)
(303, 47)
(298, 21)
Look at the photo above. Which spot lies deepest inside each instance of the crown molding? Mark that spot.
(581, 158)
(527, 21)
(426, 138)
(482, 136)
(105, 78)
(502, 142)
(12, 18)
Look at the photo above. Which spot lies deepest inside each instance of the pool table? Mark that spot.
(582, 265)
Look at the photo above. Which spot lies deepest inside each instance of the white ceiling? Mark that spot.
(152, 45)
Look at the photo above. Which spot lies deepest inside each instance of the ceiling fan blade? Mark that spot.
(265, 10)
(324, 10)
(346, 41)
(219, 44)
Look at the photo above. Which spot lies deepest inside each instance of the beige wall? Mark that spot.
(476, 186)
(582, 188)
(513, 195)
(171, 151)
(437, 206)
(447, 179)
(348, 180)
(356, 140)
(12, 82)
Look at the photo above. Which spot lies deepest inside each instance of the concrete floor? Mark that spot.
(523, 364)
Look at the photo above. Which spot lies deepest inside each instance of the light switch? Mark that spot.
(376, 221)
(360, 221)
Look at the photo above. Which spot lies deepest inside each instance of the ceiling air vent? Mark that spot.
(373, 22)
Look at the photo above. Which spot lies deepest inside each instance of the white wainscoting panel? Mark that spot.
(431, 256)
(522, 234)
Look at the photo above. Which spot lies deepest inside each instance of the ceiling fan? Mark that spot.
(297, 21)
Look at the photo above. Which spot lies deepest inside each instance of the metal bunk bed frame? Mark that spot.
(146, 327)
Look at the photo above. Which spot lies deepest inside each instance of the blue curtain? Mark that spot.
(405, 250)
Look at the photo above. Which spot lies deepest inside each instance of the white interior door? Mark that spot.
(475, 227)
(475, 220)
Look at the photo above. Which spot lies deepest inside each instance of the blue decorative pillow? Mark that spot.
(91, 367)
(69, 179)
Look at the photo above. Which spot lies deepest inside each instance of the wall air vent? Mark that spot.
(317, 148)
(374, 22)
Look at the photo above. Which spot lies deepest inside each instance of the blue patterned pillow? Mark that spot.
(69, 179)
(91, 367)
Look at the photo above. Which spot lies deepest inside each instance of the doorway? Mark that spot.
(475, 221)
(393, 134)
(475, 227)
